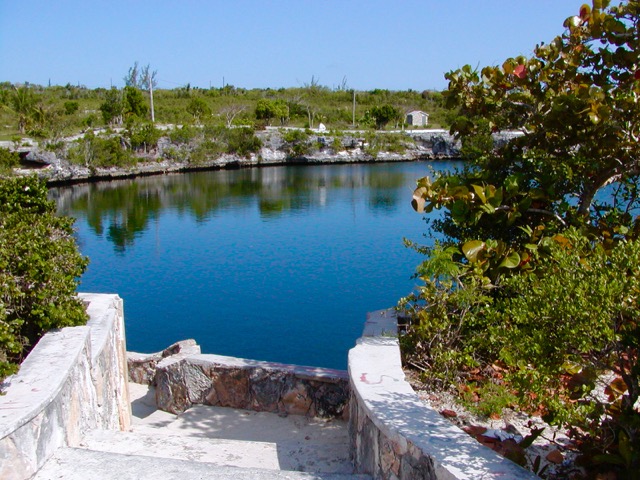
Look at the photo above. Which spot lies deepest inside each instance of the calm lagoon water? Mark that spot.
(275, 263)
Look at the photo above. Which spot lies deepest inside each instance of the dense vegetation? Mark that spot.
(39, 269)
(48, 113)
(120, 127)
(533, 291)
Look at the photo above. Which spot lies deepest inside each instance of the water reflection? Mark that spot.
(125, 208)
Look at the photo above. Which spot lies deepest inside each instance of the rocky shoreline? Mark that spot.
(421, 145)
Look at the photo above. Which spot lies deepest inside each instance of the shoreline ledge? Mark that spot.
(431, 145)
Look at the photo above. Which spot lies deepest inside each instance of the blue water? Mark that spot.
(276, 263)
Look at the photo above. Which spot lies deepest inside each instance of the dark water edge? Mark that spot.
(69, 177)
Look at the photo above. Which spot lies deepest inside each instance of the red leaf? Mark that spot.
(585, 12)
(555, 456)
(637, 75)
(615, 389)
(448, 413)
(520, 71)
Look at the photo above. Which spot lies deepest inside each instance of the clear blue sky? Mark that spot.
(393, 44)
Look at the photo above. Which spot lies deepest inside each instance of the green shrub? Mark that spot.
(39, 269)
(298, 142)
(489, 399)
(71, 107)
(184, 134)
(207, 150)
(143, 136)
(387, 142)
(8, 160)
(295, 136)
(175, 154)
(99, 152)
(558, 325)
(241, 141)
(577, 313)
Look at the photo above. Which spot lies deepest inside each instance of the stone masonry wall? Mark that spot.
(73, 381)
(186, 378)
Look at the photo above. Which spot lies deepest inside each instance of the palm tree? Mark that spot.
(23, 104)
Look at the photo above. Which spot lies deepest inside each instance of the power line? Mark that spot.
(170, 82)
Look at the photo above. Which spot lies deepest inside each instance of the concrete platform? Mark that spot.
(211, 441)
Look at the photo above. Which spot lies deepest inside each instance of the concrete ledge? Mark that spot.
(393, 434)
(74, 380)
(36, 385)
(184, 380)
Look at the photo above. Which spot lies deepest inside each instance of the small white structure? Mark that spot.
(322, 127)
(417, 118)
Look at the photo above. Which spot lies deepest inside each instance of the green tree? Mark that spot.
(113, 107)
(198, 108)
(143, 79)
(133, 77)
(534, 230)
(46, 122)
(270, 109)
(39, 269)
(134, 103)
(383, 114)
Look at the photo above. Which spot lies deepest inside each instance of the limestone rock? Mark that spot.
(41, 156)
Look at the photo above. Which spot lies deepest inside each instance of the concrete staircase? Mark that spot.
(81, 464)
(207, 442)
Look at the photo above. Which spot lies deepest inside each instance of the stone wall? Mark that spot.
(186, 377)
(393, 434)
(73, 381)
(142, 366)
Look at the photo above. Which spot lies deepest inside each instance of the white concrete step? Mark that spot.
(284, 454)
(231, 453)
(84, 464)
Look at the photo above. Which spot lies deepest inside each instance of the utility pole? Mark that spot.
(353, 113)
(153, 116)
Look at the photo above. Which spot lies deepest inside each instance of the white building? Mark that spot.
(417, 118)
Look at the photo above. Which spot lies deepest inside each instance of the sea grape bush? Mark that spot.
(39, 269)
(534, 283)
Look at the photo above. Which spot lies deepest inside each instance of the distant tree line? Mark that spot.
(49, 113)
